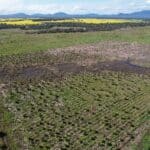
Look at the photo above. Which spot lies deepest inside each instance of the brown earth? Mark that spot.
(110, 50)
(56, 71)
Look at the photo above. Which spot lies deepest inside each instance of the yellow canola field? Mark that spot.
(97, 21)
(88, 21)
(20, 22)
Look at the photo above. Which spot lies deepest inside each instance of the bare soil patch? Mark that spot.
(60, 70)
(110, 50)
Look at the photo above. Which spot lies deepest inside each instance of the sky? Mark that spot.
(73, 6)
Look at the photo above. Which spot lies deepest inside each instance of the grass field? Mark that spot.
(74, 91)
(83, 112)
(17, 42)
(145, 143)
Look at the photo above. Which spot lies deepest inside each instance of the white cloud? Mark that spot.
(148, 1)
(10, 6)
(107, 7)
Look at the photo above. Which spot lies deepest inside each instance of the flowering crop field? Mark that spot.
(87, 21)
(19, 22)
(99, 21)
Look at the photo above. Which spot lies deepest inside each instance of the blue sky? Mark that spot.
(73, 6)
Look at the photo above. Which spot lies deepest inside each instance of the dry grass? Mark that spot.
(137, 53)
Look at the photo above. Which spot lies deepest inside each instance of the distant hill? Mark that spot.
(136, 15)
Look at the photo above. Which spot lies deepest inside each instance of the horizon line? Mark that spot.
(71, 13)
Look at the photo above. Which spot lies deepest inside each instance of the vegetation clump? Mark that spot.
(73, 117)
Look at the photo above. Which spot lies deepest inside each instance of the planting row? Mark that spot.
(82, 112)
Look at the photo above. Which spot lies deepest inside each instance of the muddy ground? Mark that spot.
(53, 64)
(60, 70)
